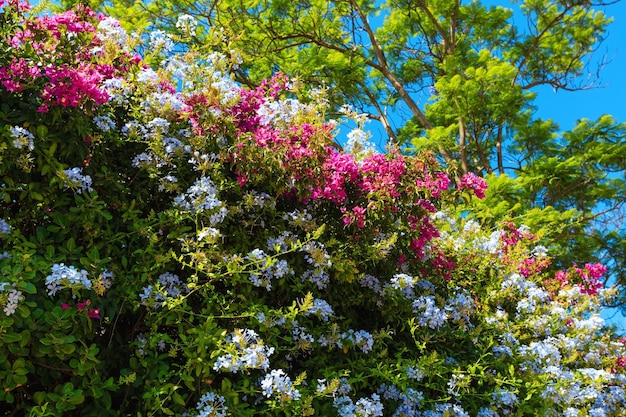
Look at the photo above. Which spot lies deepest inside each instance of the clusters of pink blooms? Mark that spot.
(531, 266)
(588, 278)
(77, 84)
(17, 4)
(92, 313)
(360, 188)
(474, 182)
(73, 87)
(512, 234)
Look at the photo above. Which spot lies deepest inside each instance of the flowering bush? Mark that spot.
(173, 243)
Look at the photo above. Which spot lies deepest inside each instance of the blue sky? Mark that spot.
(566, 107)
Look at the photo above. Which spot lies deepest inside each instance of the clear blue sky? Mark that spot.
(566, 107)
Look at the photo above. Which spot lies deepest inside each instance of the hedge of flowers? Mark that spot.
(172, 243)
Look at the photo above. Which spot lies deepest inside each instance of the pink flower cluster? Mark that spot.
(92, 313)
(73, 87)
(588, 278)
(474, 182)
(19, 5)
(79, 80)
(373, 189)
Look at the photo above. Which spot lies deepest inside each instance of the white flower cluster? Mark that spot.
(278, 112)
(359, 142)
(66, 277)
(428, 313)
(117, 90)
(532, 296)
(104, 123)
(410, 400)
(278, 384)
(13, 297)
(22, 138)
(212, 405)
(247, 351)
(316, 256)
(220, 80)
(109, 29)
(364, 407)
(321, 308)
(269, 269)
(5, 229)
(186, 24)
(169, 286)
(200, 197)
(74, 178)
(161, 42)
(359, 338)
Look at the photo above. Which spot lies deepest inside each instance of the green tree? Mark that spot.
(457, 78)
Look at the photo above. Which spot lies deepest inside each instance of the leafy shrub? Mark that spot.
(175, 244)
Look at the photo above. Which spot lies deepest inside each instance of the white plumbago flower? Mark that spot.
(147, 75)
(13, 298)
(249, 353)
(161, 42)
(277, 383)
(402, 282)
(445, 217)
(279, 111)
(212, 405)
(66, 277)
(505, 400)
(109, 29)
(117, 89)
(165, 100)
(104, 123)
(359, 142)
(451, 410)
(186, 24)
(365, 407)
(319, 278)
(282, 243)
(360, 338)
(428, 313)
(201, 196)
(539, 251)
(76, 179)
(5, 229)
(158, 125)
(321, 308)
(491, 245)
(316, 255)
(169, 286)
(460, 307)
(22, 138)
(471, 227)
(208, 231)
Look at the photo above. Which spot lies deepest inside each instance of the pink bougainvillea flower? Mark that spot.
(474, 182)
